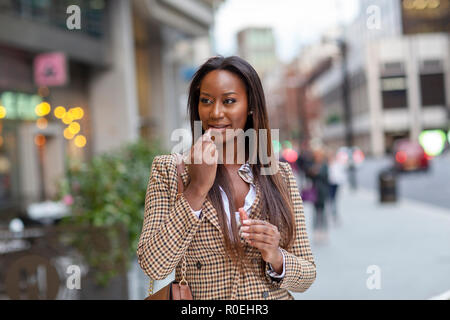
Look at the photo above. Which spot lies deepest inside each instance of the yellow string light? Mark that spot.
(74, 127)
(68, 134)
(42, 109)
(67, 119)
(80, 141)
(2, 112)
(59, 112)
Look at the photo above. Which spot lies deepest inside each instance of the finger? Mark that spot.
(207, 136)
(242, 214)
(264, 229)
(209, 155)
(251, 222)
(259, 237)
(259, 245)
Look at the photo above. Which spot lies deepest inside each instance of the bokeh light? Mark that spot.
(67, 118)
(432, 141)
(400, 156)
(39, 140)
(2, 112)
(76, 113)
(80, 141)
(41, 123)
(276, 146)
(42, 109)
(287, 144)
(358, 156)
(74, 127)
(68, 134)
(59, 112)
(290, 155)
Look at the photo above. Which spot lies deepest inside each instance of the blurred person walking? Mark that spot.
(318, 172)
(337, 177)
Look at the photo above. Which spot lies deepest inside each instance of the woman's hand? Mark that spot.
(202, 164)
(265, 237)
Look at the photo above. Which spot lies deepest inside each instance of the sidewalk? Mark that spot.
(408, 241)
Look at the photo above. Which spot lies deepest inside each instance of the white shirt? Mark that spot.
(249, 199)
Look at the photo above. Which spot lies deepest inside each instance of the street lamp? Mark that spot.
(346, 102)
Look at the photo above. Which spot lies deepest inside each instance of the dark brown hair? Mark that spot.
(275, 205)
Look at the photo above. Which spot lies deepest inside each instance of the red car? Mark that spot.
(410, 156)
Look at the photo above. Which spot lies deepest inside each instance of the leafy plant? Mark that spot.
(107, 198)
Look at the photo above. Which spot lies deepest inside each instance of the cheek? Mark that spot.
(240, 117)
(203, 115)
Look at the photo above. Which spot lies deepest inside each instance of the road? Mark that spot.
(431, 187)
(408, 242)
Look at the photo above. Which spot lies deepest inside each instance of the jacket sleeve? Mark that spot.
(300, 269)
(168, 226)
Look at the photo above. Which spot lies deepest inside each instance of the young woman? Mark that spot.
(241, 232)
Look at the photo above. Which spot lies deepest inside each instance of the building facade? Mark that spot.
(398, 84)
(257, 46)
(127, 65)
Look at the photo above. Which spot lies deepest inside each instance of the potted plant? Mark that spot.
(107, 197)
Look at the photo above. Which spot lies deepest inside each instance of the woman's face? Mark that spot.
(222, 103)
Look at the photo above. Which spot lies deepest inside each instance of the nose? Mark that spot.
(217, 111)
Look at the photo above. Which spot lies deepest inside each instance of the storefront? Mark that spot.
(34, 138)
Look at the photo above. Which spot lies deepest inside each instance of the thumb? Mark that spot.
(243, 215)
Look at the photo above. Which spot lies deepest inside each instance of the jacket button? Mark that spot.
(265, 294)
(199, 265)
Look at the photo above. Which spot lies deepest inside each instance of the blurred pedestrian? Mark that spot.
(336, 178)
(305, 160)
(318, 172)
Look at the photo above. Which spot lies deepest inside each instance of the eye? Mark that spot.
(205, 100)
(229, 101)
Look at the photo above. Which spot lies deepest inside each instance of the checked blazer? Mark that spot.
(171, 230)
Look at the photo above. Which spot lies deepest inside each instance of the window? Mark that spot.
(394, 92)
(432, 89)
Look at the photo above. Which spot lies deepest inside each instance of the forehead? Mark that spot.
(221, 81)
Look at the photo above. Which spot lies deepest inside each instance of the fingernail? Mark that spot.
(246, 222)
(245, 235)
(245, 228)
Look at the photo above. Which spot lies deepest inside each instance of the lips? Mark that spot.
(219, 127)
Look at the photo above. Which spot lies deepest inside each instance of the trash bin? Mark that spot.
(387, 183)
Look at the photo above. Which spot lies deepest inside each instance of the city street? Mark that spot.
(430, 187)
(408, 241)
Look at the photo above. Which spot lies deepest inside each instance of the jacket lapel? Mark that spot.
(210, 212)
(207, 210)
(255, 210)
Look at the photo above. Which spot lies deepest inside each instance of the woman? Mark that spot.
(258, 252)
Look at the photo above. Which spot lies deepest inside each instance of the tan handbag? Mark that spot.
(174, 290)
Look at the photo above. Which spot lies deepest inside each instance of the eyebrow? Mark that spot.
(225, 94)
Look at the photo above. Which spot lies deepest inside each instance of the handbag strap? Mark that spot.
(180, 169)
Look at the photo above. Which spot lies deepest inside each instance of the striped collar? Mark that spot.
(245, 172)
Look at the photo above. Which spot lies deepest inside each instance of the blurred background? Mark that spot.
(91, 91)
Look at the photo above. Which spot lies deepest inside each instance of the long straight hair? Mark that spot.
(275, 205)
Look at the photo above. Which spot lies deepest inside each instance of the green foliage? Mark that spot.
(108, 203)
(333, 119)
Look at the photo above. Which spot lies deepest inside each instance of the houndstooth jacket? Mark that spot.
(171, 230)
